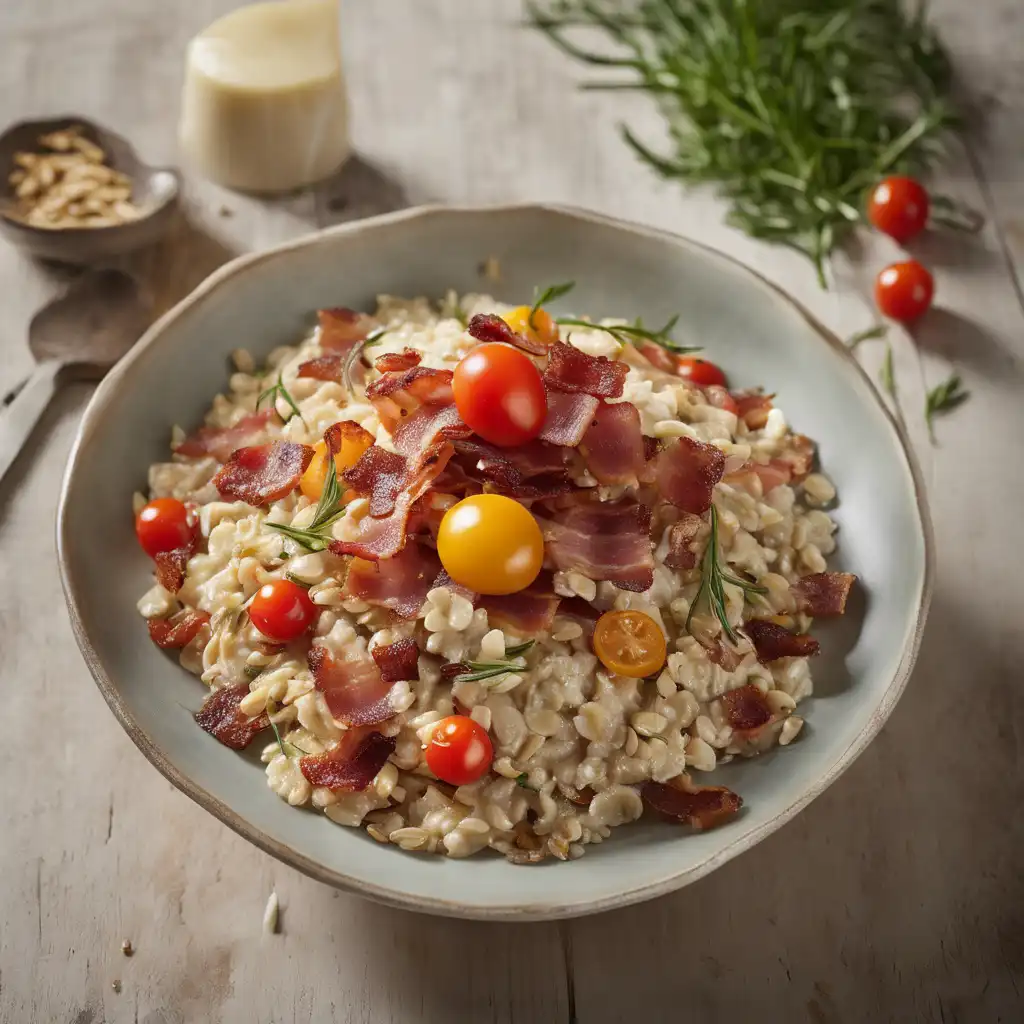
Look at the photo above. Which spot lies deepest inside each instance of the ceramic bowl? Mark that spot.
(759, 336)
(155, 191)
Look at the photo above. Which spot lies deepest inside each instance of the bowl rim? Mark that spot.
(547, 909)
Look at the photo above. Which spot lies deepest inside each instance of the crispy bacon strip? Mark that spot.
(426, 426)
(526, 612)
(391, 362)
(798, 453)
(823, 594)
(220, 442)
(681, 535)
(352, 685)
(397, 661)
(753, 407)
(772, 641)
(686, 473)
(703, 807)
(398, 395)
(382, 537)
(570, 369)
(400, 582)
(342, 328)
(179, 631)
(221, 717)
(263, 473)
(379, 475)
(170, 568)
(568, 417)
(658, 356)
(328, 367)
(746, 708)
(489, 327)
(353, 764)
(528, 471)
(613, 445)
(603, 540)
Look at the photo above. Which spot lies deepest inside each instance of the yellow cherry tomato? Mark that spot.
(490, 544)
(312, 482)
(629, 643)
(543, 328)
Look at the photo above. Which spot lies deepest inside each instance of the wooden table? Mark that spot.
(897, 896)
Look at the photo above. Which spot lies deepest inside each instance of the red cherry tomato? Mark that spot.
(282, 610)
(700, 372)
(459, 751)
(500, 394)
(899, 208)
(163, 525)
(904, 291)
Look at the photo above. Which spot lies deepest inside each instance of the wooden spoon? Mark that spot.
(79, 335)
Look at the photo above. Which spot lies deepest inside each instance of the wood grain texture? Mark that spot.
(896, 896)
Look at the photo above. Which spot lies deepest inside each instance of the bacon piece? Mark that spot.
(509, 469)
(429, 424)
(823, 594)
(221, 717)
(400, 582)
(220, 442)
(526, 612)
(489, 327)
(746, 708)
(570, 369)
(179, 631)
(390, 362)
(753, 407)
(170, 568)
(772, 474)
(379, 474)
(798, 453)
(658, 356)
(686, 473)
(681, 535)
(352, 685)
(720, 652)
(263, 473)
(568, 417)
(383, 536)
(702, 807)
(444, 580)
(353, 764)
(613, 445)
(603, 540)
(580, 610)
(397, 395)
(342, 328)
(397, 661)
(329, 367)
(772, 641)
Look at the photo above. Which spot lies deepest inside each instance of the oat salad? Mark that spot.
(476, 576)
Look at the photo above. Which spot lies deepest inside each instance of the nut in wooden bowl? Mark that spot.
(78, 193)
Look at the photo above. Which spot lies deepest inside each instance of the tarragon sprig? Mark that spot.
(712, 578)
(943, 398)
(271, 394)
(480, 670)
(330, 508)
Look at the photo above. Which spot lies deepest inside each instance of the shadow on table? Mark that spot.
(360, 189)
(965, 342)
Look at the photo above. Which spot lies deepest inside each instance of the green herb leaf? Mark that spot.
(792, 110)
(942, 399)
(516, 650)
(354, 355)
(297, 581)
(885, 374)
(481, 670)
(271, 708)
(629, 334)
(271, 395)
(868, 334)
(712, 577)
(549, 294)
(329, 509)
(948, 213)
(523, 781)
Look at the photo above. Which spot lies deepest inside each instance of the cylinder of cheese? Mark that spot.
(264, 107)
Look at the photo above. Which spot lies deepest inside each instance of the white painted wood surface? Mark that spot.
(897, 896)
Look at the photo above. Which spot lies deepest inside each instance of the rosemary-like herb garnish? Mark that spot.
(885, 374)
(330, 508)
(631, 333)
(480, 670)
(271, 395)
(549, 294)
(354, 355)
(271, 709)
(868, 334)
(793, 110)
(942, 399)
(712, 578)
